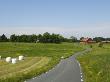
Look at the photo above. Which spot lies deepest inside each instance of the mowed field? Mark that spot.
(96, 64)
(38, 59)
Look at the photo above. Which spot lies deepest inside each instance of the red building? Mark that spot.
(86, 40)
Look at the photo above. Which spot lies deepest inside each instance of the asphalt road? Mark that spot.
(68, 70)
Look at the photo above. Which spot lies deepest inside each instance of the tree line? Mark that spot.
(100, 39)
(45, 38)
(42, 38)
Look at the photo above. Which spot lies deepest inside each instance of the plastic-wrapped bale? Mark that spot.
(0, 57)
(62, 57)
(14, 60)
(21, 57)
(8, 59)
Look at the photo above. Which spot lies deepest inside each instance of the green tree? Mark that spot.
(98, 39)
(39, 38)
(81, 38)
(3, 38)
(46, 37)
(73, 39)
(13, 38)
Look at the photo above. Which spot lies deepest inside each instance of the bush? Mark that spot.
(100, 44)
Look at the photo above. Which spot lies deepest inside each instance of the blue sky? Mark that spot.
(67, 17)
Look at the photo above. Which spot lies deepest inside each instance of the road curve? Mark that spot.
(68, 70)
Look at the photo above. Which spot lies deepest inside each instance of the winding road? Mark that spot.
(68, 70)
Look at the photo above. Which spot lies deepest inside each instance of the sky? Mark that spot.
(88, 18)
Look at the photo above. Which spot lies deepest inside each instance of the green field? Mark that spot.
(38, 59)
(96, 64)
(25, 66)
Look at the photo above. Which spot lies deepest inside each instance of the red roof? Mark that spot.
(86, 40)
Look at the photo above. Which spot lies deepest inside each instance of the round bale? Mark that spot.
(21, 57)
(62, 57)
(8, 59)
(14, 60)
(0, 57)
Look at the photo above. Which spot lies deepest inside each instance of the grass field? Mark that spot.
(38, 59)
(30, 63)
(96, 64)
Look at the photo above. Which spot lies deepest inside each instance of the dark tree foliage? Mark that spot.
(23, 38)
(73, 39)
(13, 38)
(81, 38)
(3, 38)
(50, 38)
(107, 39)
(99, 39)
(44, 38)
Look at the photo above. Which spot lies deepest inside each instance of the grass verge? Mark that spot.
(96, 64)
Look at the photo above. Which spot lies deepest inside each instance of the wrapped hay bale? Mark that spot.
(8, 59)
(62, 57)
(14, 60)
(21, 57)
(0, 57)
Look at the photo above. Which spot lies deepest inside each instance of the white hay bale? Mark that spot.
(8, 59)
(14, 60)
(0, 57)
(21, 57)
(62, 57)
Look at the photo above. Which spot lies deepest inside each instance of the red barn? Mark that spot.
(86, 40)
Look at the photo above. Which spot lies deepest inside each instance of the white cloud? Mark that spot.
(84, 30)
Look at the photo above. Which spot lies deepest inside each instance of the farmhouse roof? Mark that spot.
(86, 39)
